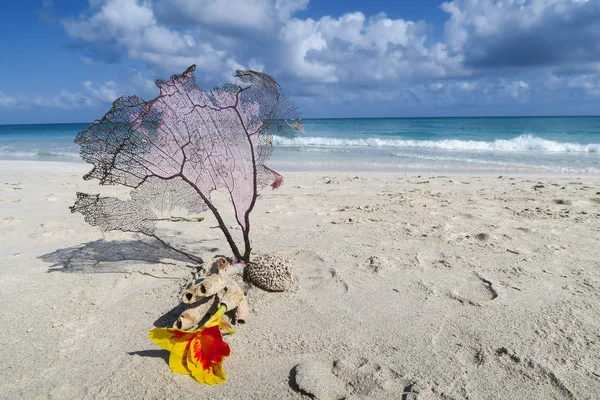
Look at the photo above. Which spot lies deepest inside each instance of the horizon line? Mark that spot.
(360, 118)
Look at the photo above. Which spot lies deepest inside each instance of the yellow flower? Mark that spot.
(199, 353)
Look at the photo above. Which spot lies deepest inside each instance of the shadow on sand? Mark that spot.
(168, 319)
(152, 354)
(101, 256)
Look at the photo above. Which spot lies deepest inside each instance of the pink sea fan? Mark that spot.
(203, 141)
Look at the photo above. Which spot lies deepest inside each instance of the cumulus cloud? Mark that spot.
(327, 50)
(361, 51)
(115, 17)
(170, 35)
(130, 27)
(491, 50)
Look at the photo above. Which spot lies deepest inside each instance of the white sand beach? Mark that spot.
(409, 287)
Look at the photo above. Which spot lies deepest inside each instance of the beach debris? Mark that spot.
(271, 272)
(198, 353)
(190, 318)
(176, 149)
(206, 295)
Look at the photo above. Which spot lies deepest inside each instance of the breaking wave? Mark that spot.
(520, 143)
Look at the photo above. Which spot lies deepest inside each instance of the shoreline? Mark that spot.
(83, 167)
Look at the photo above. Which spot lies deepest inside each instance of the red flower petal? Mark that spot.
(210, 348)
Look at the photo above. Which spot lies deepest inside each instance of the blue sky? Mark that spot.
(66, 61)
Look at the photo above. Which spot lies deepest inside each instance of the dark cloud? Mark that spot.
(562, 36)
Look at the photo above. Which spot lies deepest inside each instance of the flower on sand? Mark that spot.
(198, 353)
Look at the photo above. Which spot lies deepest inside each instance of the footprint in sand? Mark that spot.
(512, 371)
(350, 377)
(383, 264)
(316, 277)
(473, 289)
(369, 379)
(517, 367)
(463, 283)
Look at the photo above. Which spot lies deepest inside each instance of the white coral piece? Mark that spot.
(207, 294)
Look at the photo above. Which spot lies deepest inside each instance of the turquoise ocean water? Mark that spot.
(524, 144)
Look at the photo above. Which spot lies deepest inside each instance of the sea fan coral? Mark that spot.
(176, 149)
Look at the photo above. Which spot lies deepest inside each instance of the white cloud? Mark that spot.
(355, 49)
(7, 101)
(303, 37)
(131, 25)
(93, 94)
(115, 18)
(323, 50)
(105, 93)
(352, 57)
